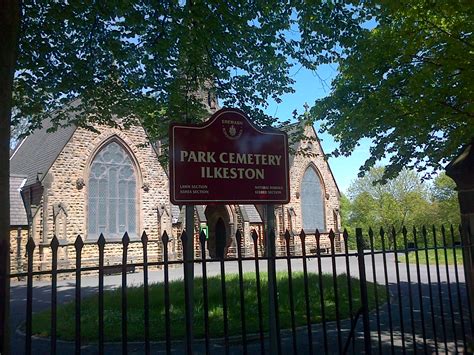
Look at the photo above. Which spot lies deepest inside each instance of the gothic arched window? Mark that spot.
(112, 194)
(312, 202)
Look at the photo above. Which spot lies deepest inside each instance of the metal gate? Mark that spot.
(399, 292)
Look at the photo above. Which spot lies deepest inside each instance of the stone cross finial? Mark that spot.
(306, 107)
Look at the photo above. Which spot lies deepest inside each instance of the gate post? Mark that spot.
(9, 35)
(364, 300)
(461, 170)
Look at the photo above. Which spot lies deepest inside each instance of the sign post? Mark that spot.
(229, 160)
(274, 323)
(189, 275)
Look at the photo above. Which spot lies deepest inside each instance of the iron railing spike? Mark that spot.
(54, 243)
(165, 238)
(79, 243)
(144, 238)
(302, 235)
(254, 236)
(101, 241)
(331, 234)
(125, 239)
(30, 245)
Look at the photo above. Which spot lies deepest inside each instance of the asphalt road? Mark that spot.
(42, 295)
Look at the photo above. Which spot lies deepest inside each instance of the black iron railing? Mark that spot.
(427, 310)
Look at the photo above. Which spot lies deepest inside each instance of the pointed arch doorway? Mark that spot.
(219, 225)
(221, 236)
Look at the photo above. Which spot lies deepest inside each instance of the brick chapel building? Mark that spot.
(77, 182)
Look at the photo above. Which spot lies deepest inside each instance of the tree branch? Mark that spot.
(447, 33)
(457, 109)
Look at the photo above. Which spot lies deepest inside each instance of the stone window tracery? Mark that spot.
(112, 193)
(312, 202)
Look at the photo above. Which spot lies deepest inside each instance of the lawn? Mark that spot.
(89, 319)
(432, 257)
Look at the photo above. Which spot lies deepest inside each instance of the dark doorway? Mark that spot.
(221, 238)
(220, 231)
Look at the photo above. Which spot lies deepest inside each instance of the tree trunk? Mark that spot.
(9, 32)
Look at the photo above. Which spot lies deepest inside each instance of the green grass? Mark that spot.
(112, 316)
(432, 257)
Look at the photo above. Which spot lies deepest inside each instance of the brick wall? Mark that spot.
(18, 239)
(64, 209)
(314, 157)
(67, 191)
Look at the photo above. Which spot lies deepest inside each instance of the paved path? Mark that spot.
(41, 296)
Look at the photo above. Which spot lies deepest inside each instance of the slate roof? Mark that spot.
(250, 214)
(201, 213)
(177, 214)
(17, 209)
(37, 152)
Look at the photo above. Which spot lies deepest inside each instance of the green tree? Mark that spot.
(155, 59)
(148, 61)
(445, 200)
(402, 201)
(346, 210)
(407, 83)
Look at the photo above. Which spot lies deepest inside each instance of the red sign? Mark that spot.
(228, 160)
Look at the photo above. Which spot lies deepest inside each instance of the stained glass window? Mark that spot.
(312, 202)
(112, 193)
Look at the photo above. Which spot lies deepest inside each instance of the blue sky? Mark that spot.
(310, 86)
